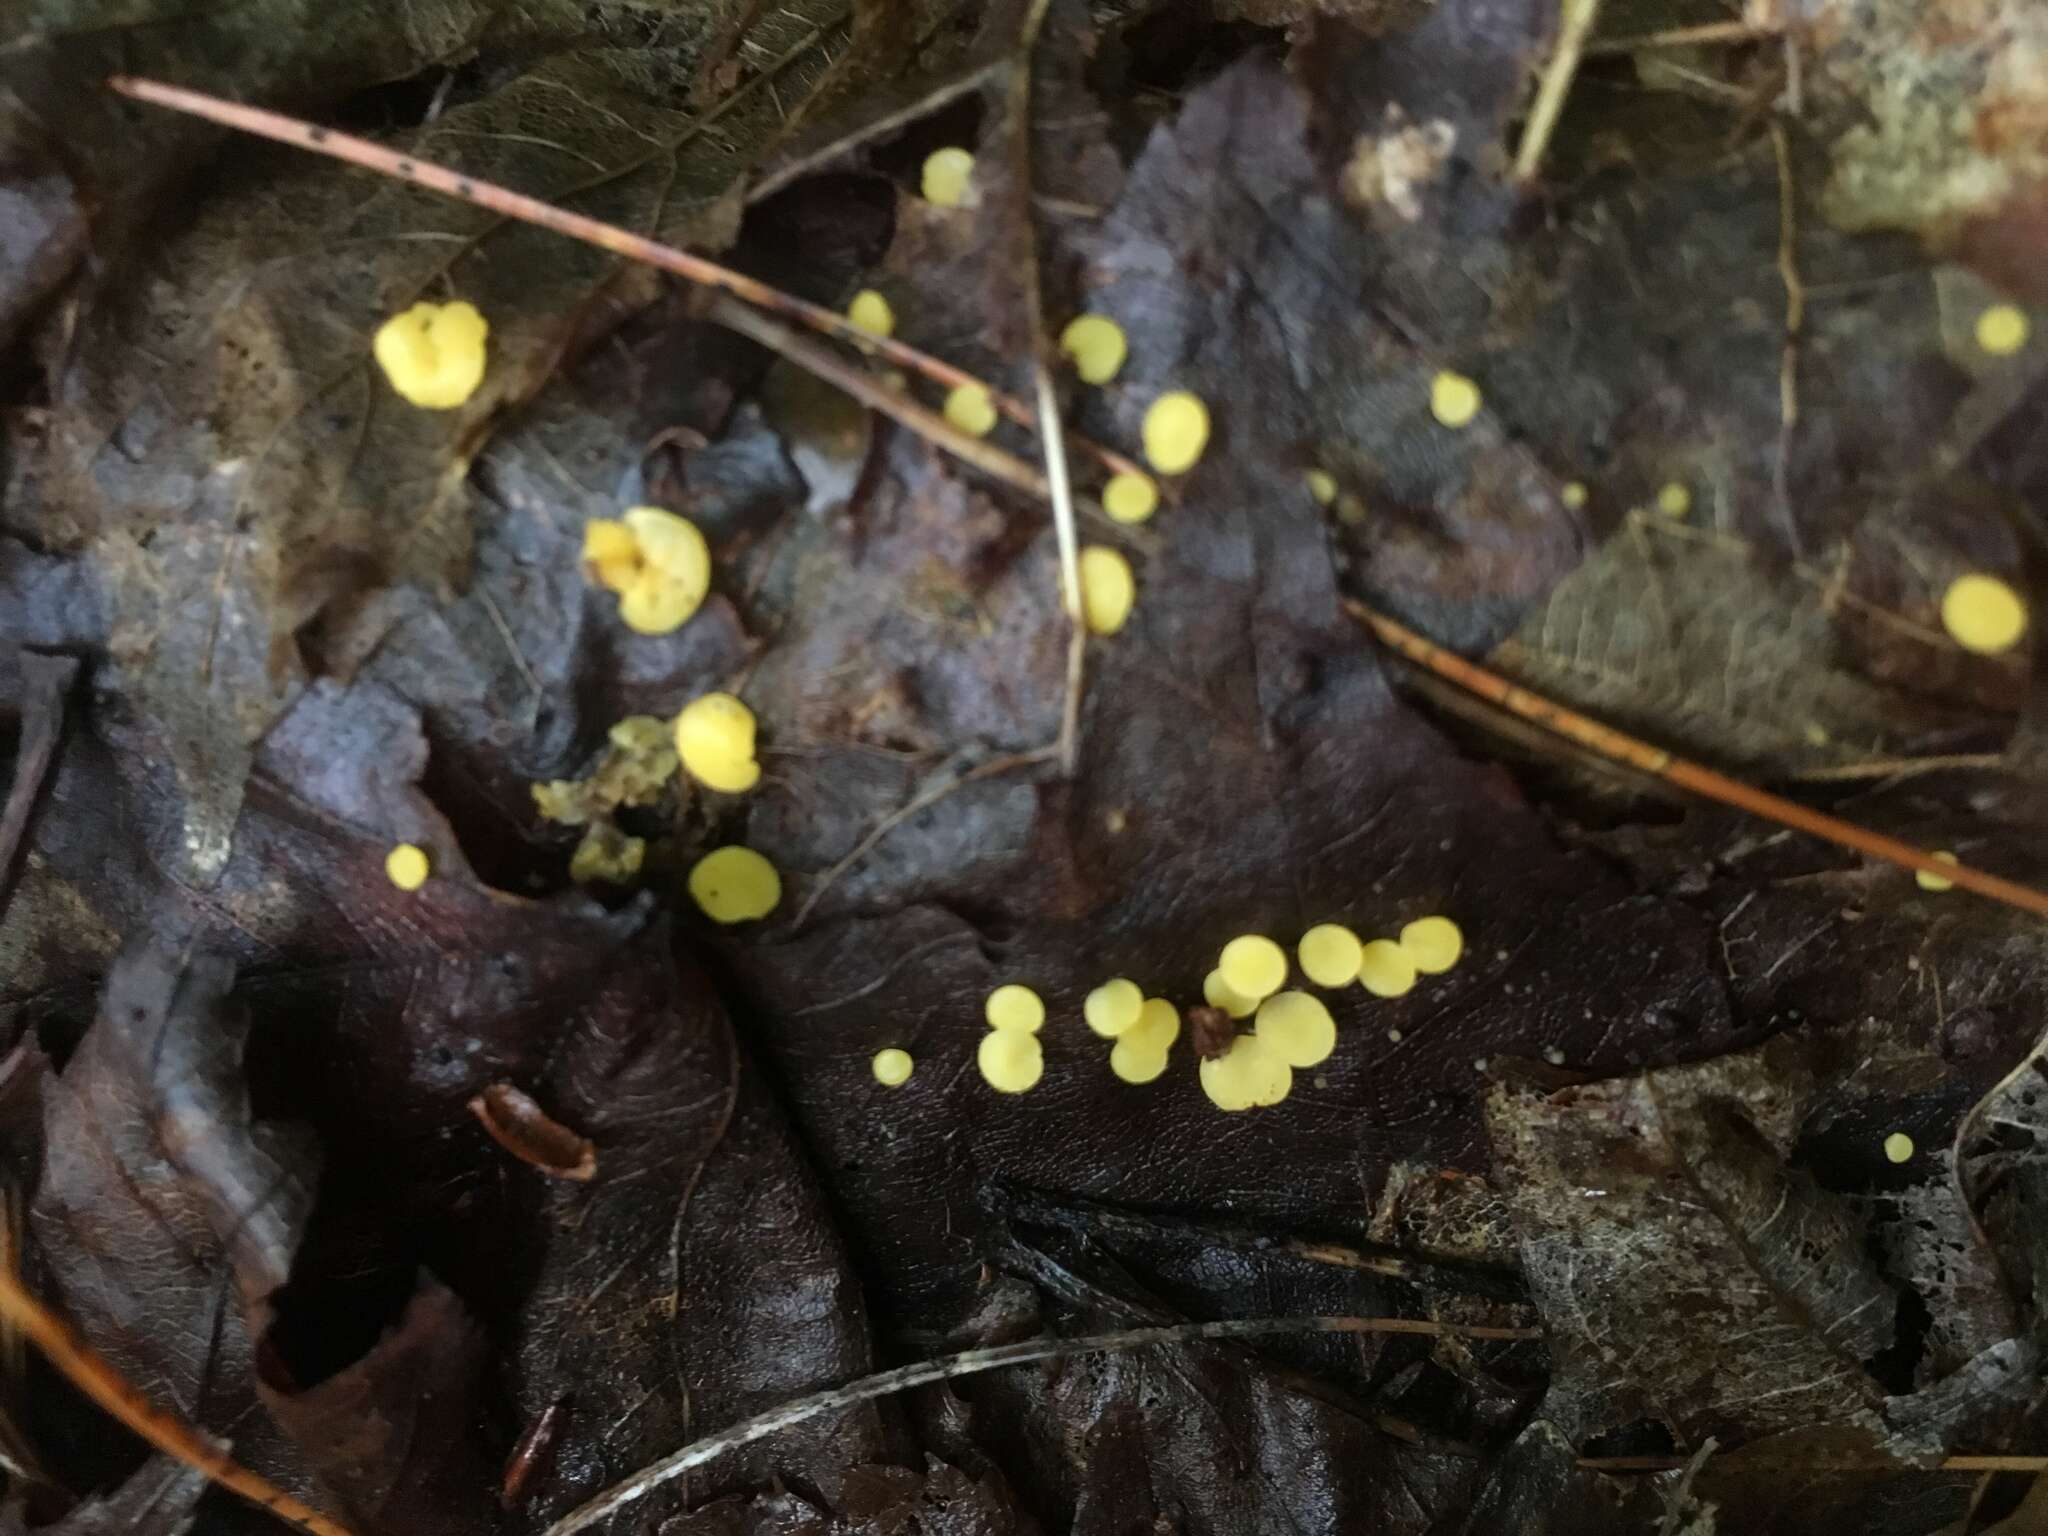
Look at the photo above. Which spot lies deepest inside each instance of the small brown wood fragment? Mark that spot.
(519, 1125)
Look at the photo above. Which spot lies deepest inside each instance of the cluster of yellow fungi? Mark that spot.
(1142, 1029)
(1011, 1058)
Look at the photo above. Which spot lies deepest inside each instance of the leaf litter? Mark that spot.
(1714, 1027)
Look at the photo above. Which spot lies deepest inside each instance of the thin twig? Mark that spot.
(98, 1380)
(46, 680)
(610, 237)
(1576, 18)
(1674, 1506)
(1795, 324)
(973, 1361)
(1807, 1463)
(888, 124)
(1897, 768)
(1639, 754)
(1070, 568)
(1681, 37)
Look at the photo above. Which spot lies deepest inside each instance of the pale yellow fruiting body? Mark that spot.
(1674, 499)
(948, 176)
(1298, 1027)
(892, 1067)
(1130, 498)
(969, 408)
(433, 354)
(1250, 1075)
(1253, 966)
(406, 866)
(715, 740)
(1096, 344)
(1453, 399)
(735, 885)
(1113, 1007)
(1132, 1063)
(1932, 882)
(1432, 944)
(1175, 432)
(1140, 1053)
(1108, 589)
(1218, 993)
(1898, 1147)
(611, 555)
(1983, 614)
(664, 578)
(2002, 329)
(1014, 1006)
(1329, 955)
(1011, 1060)
(1575, 494)
(605, 853)
(1322, 485)
(870, 312)
(1385, 969)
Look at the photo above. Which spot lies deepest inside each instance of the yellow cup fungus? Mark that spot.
(735, 885)
(892, 1067)
(657, 562)
(1432, 944)
(2002, 329)
(1898, 1147)
(1251, 1074)
(948, 176)
(1298, 1027)
(1453, 399)
(1253, 966)
(1329, 955)
(1934, 882)
(1218, 993)
(1108, 589)
(1011, 1060)
(969, 408)
(1131, 1063)
(406, 866)
(1575, 494)
(1014, 1006)
(433, 354)
(1130, 498)
(1322, 485)
(1139, 1054)
(870, 312)
(1113, 1007)
(1097, 346)
(1176, 430)
(611, 555)
(1983, 614)
(1385, 969)
(715, 740)
(1674, 499)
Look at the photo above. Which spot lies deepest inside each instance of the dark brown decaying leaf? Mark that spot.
(157, 1499)
(519, 1125)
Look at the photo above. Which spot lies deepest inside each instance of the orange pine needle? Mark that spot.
(622, 242)
(1640, 755)
(98, 1380)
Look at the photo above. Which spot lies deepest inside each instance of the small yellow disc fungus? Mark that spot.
(969, 408)
(892, 1067)
(2002, 329)
(948, 173)
(1157, 1028)
(1674, 499)
(1176, 430)
(1932, 882)
(1135, 1062)
(1011, 1060)
(1453, 399)
(1432, 944)
(1899, 1147)
(715, 739)
(870, 312)
(1097, 346)
(1014, 1007)
(606, 853)
(1329, 956)
(1983, 614)
(1253, 966)
(1218, 993)
(1298, 1027)
(1322, 485)
(1385, 969)
(1108, 589)
(1249, 1075)
(675, 571)
(406, 866)
(1575, 494)
(1130, 498)
(433, 354)
(1113, 1007)
(735, 885)
(611, 555)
